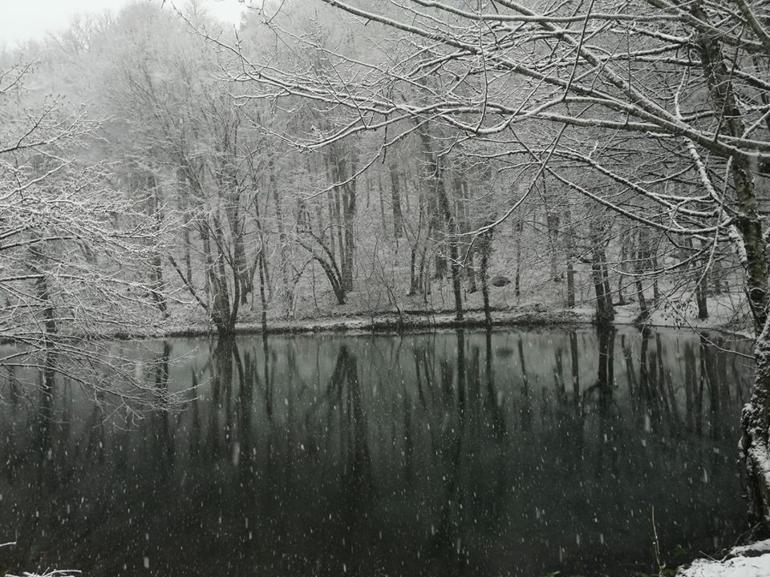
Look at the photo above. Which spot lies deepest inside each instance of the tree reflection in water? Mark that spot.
(457, 453)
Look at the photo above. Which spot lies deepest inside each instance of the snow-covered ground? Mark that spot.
(726, 311)
(747, 561)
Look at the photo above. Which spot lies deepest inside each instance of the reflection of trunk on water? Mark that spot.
(446, 380)
(45, 417)
(463, 419)
(634, 383)
(196, 426)
(96, 438)
(628, 357)
(243, 458)
(308, 391)
(723, 381)
(604, 388)
(291, 420)
(475, 407)
(268, 378)
(558, 374)
(711, 384)
(655, 394)
(221, 357)
(228, 382)
(665, 389)
(573, 349)
(572, 416)
(424, 380)
(648, 400)
(353, 429)
(408, 408)
(242, 427)
(163, 434)
(691, 397)
(493, 405)
(497, 417)
(526, 400)
(699, 396)
(44, 472)
(419, 360)
(652, 396)
(8, 450)
(606, 376)
(447, 542)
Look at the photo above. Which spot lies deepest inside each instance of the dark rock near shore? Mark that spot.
(499, 280)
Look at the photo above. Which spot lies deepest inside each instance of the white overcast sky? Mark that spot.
(22, 20)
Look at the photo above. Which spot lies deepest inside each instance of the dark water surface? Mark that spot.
(522, 452)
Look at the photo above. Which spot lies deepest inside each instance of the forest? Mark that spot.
(326, 161)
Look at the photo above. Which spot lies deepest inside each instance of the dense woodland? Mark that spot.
(333, 158)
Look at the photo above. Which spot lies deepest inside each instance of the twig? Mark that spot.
(656, 544)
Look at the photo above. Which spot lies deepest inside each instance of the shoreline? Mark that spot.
(381, 323)
(384, 323)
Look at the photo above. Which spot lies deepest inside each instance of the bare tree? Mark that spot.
(626, 81)
(78, 255)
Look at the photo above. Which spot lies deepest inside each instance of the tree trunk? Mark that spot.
(287, 288)
(462, 217)
(413, 281)
(485, 249)
(222, 315)
(395, 198)
(552, 226)
(640, 260)
(569, 242)
(183, 192)
(424, 280)
(518, 230)
(156, 285)
(754, 442)
(716, 274)
(604, 309)
(438, 187)
(347, 261)
(203, 231)
(700, 298)
(724, 103)
(434, 181)
(263, 300)
(624, 255)
(342, 170)
(43, 291)
(754, 448)
(470, 271)
(380, 194)
(699, 277)
(603, 314)
(230, 194)
(606, 279)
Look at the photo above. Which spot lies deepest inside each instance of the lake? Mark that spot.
(518, 452)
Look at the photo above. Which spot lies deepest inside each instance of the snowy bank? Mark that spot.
(746, 561)
(538, 315)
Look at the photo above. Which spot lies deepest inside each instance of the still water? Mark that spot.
(520, 452)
